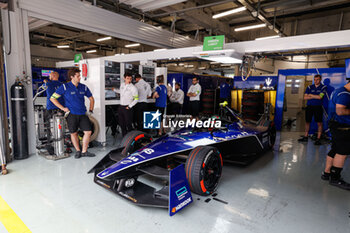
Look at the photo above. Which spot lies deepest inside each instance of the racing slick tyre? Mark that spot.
(133, 141)
(203, 169)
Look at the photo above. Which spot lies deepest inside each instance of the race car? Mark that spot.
(187, 160)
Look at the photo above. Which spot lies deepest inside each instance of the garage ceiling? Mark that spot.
(194, 18)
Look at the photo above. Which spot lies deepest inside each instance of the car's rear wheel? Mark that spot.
(133, 141)
(203, 169)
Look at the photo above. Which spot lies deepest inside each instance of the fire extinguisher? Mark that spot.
(84, 69)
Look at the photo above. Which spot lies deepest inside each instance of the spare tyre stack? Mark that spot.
(252, 105)
(208, 101)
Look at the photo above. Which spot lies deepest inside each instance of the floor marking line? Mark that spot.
(10, 219)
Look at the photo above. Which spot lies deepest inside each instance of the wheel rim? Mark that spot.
(212, 172)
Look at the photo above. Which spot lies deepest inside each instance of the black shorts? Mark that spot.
(340, 139)
(194, 108)
(161, 110)
(314, 111)
(76, 122)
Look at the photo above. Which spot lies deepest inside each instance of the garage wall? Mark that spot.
(271, 66)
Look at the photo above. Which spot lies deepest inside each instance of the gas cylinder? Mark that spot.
(19, 121)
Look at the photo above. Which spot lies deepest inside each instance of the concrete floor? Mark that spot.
(280, 192)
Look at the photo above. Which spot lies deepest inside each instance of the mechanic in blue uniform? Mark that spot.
(225, 91)
(339, 124)
(160, 95)
(52, 86)
(74, 94)
(314, 94)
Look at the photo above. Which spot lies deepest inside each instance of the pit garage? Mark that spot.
(178, 115)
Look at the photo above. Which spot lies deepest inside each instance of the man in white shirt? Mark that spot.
(128, 99)
(177, 99)
(194, 93)
(145, 92)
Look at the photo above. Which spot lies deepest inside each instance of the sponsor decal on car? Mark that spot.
(127, 196)
(181, 205)
(181, 193)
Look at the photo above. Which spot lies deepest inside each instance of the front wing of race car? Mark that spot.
(174, 195)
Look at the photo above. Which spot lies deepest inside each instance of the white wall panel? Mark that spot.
(85, 16)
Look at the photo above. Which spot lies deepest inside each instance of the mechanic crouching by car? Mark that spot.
(74, 94)
(339, 124)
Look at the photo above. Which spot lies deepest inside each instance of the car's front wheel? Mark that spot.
(203, 169)
(133, 141)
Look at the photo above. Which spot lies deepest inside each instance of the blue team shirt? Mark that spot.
(312, 89)
(339, 96)
(162, 92)
(225, 89)
(74, 97)
(52, 86)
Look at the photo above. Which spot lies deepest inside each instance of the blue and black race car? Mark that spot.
(201, 152)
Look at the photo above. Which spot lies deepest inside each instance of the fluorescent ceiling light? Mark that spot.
(221, 56)
(267, 37)
(230, 60)
(181, 64)
(214, 62)
(226, 64)
(189, 66)
(91, 51)
(230, 12)
(62, 46)
(202, 68)
(250, 27)
(104, 38)
(132, 45)
(156, 50)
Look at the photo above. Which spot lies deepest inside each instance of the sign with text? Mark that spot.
(213, 43)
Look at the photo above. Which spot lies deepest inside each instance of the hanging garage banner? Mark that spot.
(213, 43)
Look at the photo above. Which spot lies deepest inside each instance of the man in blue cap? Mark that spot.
(74, 94)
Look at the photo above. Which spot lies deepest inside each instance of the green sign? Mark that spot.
(78, 57)
(213, 43)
